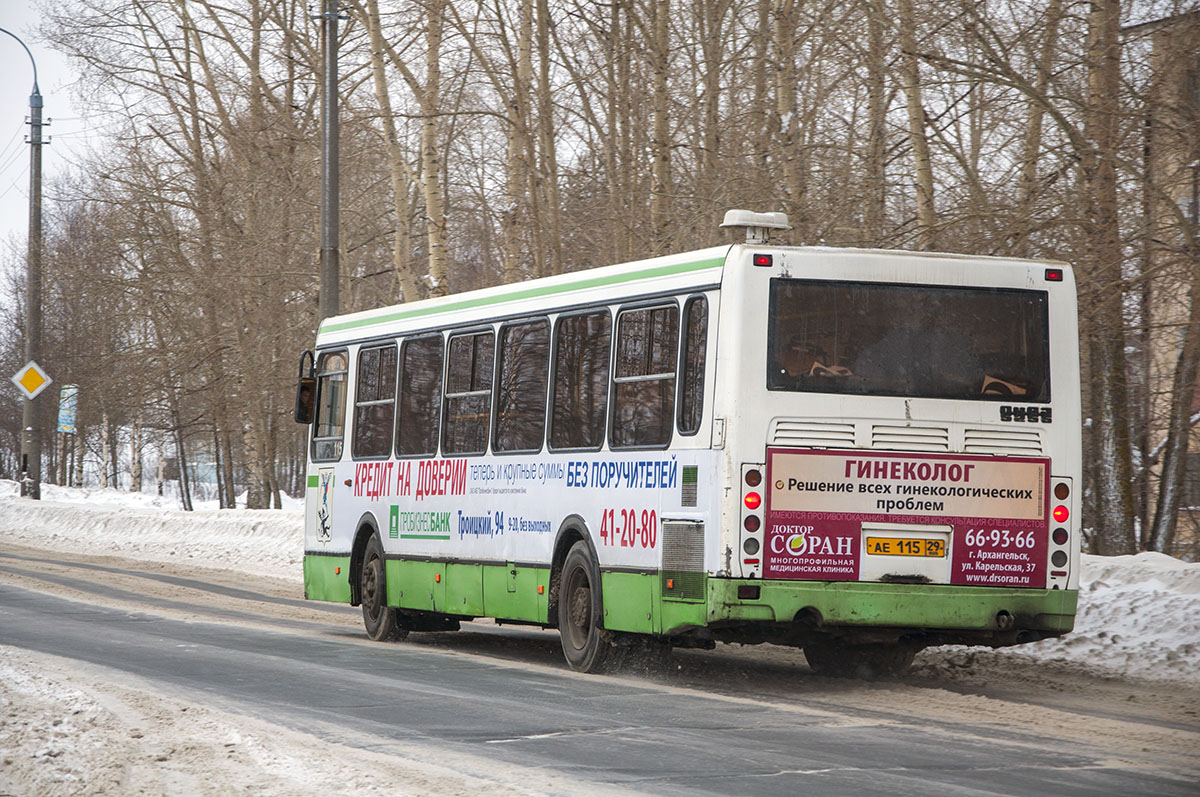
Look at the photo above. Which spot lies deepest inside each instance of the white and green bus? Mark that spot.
(861, 453)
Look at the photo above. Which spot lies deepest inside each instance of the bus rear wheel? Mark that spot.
(841, 660)
(380, 620)
(585, 643)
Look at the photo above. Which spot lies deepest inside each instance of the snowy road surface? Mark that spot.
(175, 675)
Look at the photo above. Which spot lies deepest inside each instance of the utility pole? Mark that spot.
(31, 432)
(327, 300)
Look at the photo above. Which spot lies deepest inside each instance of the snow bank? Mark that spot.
(261, 542)
(1138, 615)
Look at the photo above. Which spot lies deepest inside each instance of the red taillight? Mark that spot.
(752, 523)
(1054, 275)
(753, 500)
(762, 260)
(1059, 535)
(1060, 514)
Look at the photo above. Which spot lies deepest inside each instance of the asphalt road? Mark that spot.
(502, 694)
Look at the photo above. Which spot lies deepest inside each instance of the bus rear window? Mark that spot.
(921, 341)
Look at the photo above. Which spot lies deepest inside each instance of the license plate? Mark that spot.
(905, 546)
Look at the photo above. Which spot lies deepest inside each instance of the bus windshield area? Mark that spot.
(920, 341)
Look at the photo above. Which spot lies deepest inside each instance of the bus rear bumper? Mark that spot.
(935, 613)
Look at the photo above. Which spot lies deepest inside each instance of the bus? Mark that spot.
(860, 453)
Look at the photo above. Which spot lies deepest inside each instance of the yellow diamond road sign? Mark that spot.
(31, 380)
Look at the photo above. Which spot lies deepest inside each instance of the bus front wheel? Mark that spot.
(580, 609)
(380, 620)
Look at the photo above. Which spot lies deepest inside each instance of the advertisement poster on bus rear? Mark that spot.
(958, 519)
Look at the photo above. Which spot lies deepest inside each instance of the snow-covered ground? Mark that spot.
(69, 729)
(1139, 616)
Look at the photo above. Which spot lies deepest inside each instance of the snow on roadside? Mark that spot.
(66, 729)
(261, 542)
(1138, 616)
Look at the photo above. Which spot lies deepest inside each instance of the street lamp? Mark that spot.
(31, 433)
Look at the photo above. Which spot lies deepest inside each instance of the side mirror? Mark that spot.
(306, 390)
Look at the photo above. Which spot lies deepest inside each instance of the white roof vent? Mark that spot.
(758, 225)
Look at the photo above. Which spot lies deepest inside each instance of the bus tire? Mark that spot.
(380, 620)
(585, 644)
(868, 662)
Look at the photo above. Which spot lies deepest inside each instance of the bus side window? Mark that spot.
(420, 397)
(521, 389)
(691, 364)
(468, 399)
(644, 382)
(374, 402)
(329, 425)
(580, 403)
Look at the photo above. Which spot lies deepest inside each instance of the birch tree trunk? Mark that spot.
(431, 157)
(1108, 445)
(910, 76)
(398, 169)
(660, 141)
(516, 220)
(794, 178)
(135, 455)
(875, 183)
(1031, 144)
(550, 201)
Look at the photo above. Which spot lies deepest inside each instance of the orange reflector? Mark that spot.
(1061, 513)
(437, 578)
(670, 583)
(337, 570)
(753, 500)
(541, 589)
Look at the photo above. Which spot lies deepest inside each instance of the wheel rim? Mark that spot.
(370, 588)
(579, 609)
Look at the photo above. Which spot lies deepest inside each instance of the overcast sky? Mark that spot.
(67, 133)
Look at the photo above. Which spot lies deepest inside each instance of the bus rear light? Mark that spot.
(1060, 514)
(670, 583)
(1058, 573)
(753, 500)
(1060, 536)
(749, 561)
(751, 523)
(747, 592)
(1062, 490)
(753, 477)
(1054, 275)
(1058, 558)
(763, 260)
(750, 546)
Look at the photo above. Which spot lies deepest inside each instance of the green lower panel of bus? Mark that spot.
(327, 578)
(937, 606)
(509, 591)
(651, 603)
